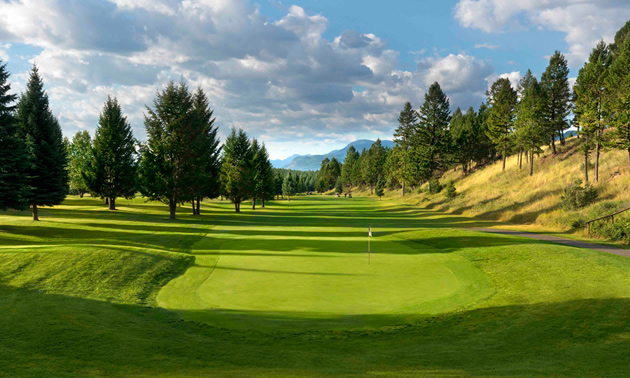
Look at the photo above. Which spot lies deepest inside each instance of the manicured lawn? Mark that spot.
(287, 290)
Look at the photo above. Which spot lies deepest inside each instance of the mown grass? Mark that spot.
(534, 202)
(545, 310)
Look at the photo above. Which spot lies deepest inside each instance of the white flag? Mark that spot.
(370, 231)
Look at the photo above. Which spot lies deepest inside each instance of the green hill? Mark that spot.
(287, 290)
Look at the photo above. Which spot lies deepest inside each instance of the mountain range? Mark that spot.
(313, 162)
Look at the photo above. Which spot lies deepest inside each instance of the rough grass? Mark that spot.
(550, 310)
(533, 202)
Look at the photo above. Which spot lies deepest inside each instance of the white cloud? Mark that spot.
(583, 22)
(486, 46)
(283, 80)
(514, 77)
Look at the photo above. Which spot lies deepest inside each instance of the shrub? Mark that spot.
(578, 224)
(434, 185)
(577, 196)
(619, 231)
(451, 192)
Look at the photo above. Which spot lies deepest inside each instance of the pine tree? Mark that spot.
(373, 164)
(287, 186)
(264, 186)
(338, 186)
(112, 169)
(589, 103)
(163, 167)
(79, 158)
(203, 160)
(13, 153)
(47, 174)
(348, 178)
(433, 140)
(403, 135)
(557, 97)
(502, 99)
(618, 98)
(530, 132)
(236, 169)
(379, 190)
(254, 177)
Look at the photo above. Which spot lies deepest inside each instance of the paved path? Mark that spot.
(559, 240)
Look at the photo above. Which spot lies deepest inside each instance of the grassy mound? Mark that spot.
(533, 202)
(545, 310)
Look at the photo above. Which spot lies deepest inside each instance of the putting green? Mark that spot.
(293, 276)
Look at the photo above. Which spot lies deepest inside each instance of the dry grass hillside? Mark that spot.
(533, 203)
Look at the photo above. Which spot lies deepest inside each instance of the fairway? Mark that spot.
(293, 273)
(287, 290)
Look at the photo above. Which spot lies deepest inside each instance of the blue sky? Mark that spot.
(302, 76)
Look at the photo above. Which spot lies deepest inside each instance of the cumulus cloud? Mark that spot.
(281, 79)
(584, 23)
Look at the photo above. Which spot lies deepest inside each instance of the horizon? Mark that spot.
(307, 77)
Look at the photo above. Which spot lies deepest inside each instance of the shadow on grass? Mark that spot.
(44, 334)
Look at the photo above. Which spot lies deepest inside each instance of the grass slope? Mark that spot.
(534, 202)
(550, 310)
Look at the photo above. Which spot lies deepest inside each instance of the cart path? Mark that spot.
(560, 240)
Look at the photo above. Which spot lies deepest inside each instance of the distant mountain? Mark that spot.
(313, 162)
(281, 163)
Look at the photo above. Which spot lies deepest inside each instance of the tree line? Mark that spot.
(181, 160)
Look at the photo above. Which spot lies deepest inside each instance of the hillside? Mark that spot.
(534, 202)
(313, 162)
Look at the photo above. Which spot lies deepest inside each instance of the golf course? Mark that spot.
(290, 289)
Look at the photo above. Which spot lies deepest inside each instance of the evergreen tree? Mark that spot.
(502, 99)
(485, 150)
(589, 103)
(79, 158)
(203, 161)
(618, 94)
(278, 182)
(255, 176)
(348, 178)
(433, 140)
(287, 186)
(264, 185)
(555, 87)
(338, 186)
(407, 125)
(530, 132)
(47, 174)
(379, 190)
(163, 170)
(111, 172)
(236, 168)
(13, 154)
(462, 129)
(374, 164)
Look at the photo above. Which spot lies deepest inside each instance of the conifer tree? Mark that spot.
(338, 186)
(557, 97)
(379, 190)
(13, 154)
(618, 98)
(502, 99)
(79, 158)
(47, 174)
(530, 131)
(264, 186)
(112, 169)
(254, 176)
(203, 160)
(163, 162)
(348, 178)
(407, 125)
(287, 186)
(236, 168)
(432, 139)
(589, 103)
